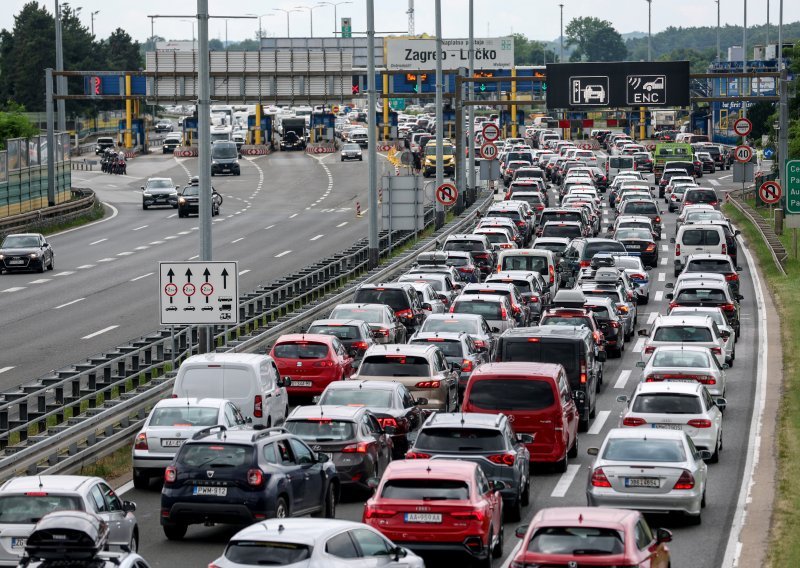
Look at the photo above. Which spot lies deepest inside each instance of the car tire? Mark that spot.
(42, 266)
(573, 452)
(730, 361)
(141, 480)
(144, 207)
(694, 520)
(281, 509)
(361, 159)
(646, 300)
(133, 545)
(561, 465)
(328, 510)
(497, 551)
(175, 532)
(715, 456)
(52, 265)
(512, 514)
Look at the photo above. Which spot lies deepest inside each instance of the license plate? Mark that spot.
(667, 426)
(18, 542)
(212, 491)
(633, 247)
(642, 482)
(423, 517)
(16, 262)
(170, 443)
(301, 383)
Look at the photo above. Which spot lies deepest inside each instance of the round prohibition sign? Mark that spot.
(770, 192)
(491, 132)
(488, 151)
(446, 194)
(171, 289)
(742, 126)
(189, 289)
(206, 288)
(743, 153)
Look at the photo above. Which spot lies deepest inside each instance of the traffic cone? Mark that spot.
(358, 210)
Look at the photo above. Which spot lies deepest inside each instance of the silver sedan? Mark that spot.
(685, 363)
(653, 471)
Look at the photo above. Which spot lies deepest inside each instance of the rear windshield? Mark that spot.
(701, 295)
(559, 230)
(700, 237)
(709, 265)
(641, 208)
(450, 348)
(644, 450)
(300, 350)
(260, 553)
(363, 314)
(28, 509)
(682, 333)
(496, 238)
(464, 246)
(394, 366)
(554, 247)
(215, 455)
(565, 321)
(667, 403)
(224, 382)
(600, 312)
(340, 331)
(489, 310)
(426, 489)
(321, 429)
(513, 215)
(537, 263)
(680, 359)
(560, 216)
(592, 249)
(184, 416)
(396, 299)
(451, 324)
(702, 196)
(372, 398)
(696, 216)
(460, 440)
(574, 540)
(563, 352)
(512, 394)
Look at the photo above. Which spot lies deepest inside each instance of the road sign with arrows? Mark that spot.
(199, 293)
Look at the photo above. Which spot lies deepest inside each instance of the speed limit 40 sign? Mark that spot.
(743, 154)
(488, 151)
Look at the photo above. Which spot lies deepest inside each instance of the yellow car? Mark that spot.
(448, 158)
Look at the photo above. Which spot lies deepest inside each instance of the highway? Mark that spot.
(698, 547)
(285, 211)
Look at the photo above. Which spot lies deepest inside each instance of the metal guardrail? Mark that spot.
(774, 244)
(41, 218)
(80, 413)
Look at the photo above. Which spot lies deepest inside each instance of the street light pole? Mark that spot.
(745, 80)
(719, 57)
(439, 114)
(471, 109)
(561, 37)
(204, 151)
(310, 15)
(372, 140)
(287, 12)
(649, 28)
(93, 14)
(62, 117)
(783, 115)
(335, 15)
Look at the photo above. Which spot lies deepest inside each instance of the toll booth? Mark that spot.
(266, 128)
(190, 131)
(392, 125)
(137, 132)
(505, 122)
(322, 127)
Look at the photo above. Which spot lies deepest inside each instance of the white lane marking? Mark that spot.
(114, 213)
(107, 259)
(82, 266)
(725, 177)
(184, 232)
(195, 228)
(4, 369)
(293, 216)
(342, 224)
(665, 248)
(245, 271)
(599, 421)
(315, 238)
(97, 242)
(123, 489)
(664, 261)
(39, 281)
(652, 317)
(69, 303)
(637, 348)
(193, 257)
(506, 563)
(142, 276)
(126, 253)
(714, 182)
(659, 296)
(169, 238)
(566, 479)
(100, 332)
(140, 228)
(171, 216)
(284, 253)
(64, 273)
(623, 379)
(157, 243)
(662, 276)
(268, 228)
(143, 247)
(237, 240)
(14, 289)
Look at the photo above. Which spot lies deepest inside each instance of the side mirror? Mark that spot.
(725, 333)
(726, 366)
(427, 306)
(739, 297)
(669, 296)
(372, 482)
(663, 535)
(497, 485)
(602, 356)
(593, 451)
(669, 285)
(736, 233)
(521, 530)
(672, 241)
(143, 187)
(316, 399)
(455, 367)
(399, 552)
(524, 438)
(738, 269)
(622, 398)
(248, 420)
(721, 403)
(640, 364)
(495, 329)
(128, 506)
(704, 454)
(421, 401)
(643, 333)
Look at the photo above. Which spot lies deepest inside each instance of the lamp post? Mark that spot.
(649, 28)
(745, 81)
(310, 15)
(719, 57)
(561, 36)
(260, 29)
(335, 16)
(287, 12)
(194, 43)
(93, 14)
(60, 84)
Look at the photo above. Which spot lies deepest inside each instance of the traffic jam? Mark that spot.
(581, 338)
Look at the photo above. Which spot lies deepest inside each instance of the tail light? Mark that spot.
(586, 263)
(732, 277)
(428, 384)
(407, 314)
(583, 372)
(724, 248)
(371, 512)
(533, 299)
(716, 350)
(255, 477)
(503, 313)
(383, 332)
(677, 249)
(699, 423)
(516, 310)
(506, 245)
(474, 515)
(325, 363)
(520, 223)
(360, 345)
(384, 422)
(258, 407)
(649, 350)
(650, 248)
(638, 276)
(673, 305)
(713, 203)
(170, 474)
(482, 255)
(658, 219)
(685, 481)
(630, 295)
(503, 459)
(417, 456)
(540, 207)
(552, 273)
(453, 308)
(360, 448)
(622, 309)
(141, 442)
(614, 324)
(466, 366)
(480, 343)
(599, 478)
(631, 421)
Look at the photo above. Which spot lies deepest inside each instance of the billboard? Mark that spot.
(420, 54)
(614, 85)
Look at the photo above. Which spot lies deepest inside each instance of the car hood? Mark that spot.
(19, 251)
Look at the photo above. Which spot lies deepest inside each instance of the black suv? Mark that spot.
(400, 296)
(241, 477)
(477, 245)
(579, 255)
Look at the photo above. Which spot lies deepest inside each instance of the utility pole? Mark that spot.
(204, 151)
(471, 109)
(372, 141)
(439, 114)
(60, 80)
(561, 36)
(783, 114)
(745, 81)
(719, 58)
(93, 14)
(649, 28)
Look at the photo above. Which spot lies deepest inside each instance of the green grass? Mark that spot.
(783, 548)
(97, 212)
(112, 466)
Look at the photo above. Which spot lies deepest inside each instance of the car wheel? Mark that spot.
(281, 509)
(329, 508)
(42, 266)
(175, 532)
(694, 520)
(561, 465)
(512, 514)
(497, 551)
(702, 504)
(525, 498)
(144, 206)
(573, 452)
(133, 545)
(140, 479)
(715, 456)
(52, 265)
(730, 361)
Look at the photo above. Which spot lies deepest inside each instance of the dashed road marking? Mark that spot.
(82, 266)
(659, 296)
(237, 240)
(100, 332)
(664, 261)
(284, 253)
(652, 317)
(342, 224)
(194, 257)
(39, 281)
(171, 216)
(64, 273)
(662, 276)
(245, 271)
(157, 243)
(566, 479)
(268, 228)
(169, 238)
(293, 216)
(599, 421)
(4, 369)
(126, 253)
(97, 242)
(107, 259)
(69, 303)
(142, 276)
(665, 248)
(637, 348)
(140, 228)
(14, 289)
(316, 237)
(623, 379)
(713, 182)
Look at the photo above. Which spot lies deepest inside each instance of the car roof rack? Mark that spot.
(267, 432)
(210, 430)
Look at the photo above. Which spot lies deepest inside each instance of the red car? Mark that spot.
(591, 536)
(439, 507)
(312, 361)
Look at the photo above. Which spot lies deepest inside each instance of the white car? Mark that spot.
(719, 318)
(685, 363)
(677, 406)
(680, 330)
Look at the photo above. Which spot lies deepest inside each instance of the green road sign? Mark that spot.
(347, 27)
(791, 184)
(397, 104)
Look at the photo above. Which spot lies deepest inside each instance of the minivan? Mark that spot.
(536, 398)
(573, 347)
(225, 158)
(541, 260)
(700, 238)
(250, 381)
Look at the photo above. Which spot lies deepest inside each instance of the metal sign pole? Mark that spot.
(204, 151)
(470, 111)
(372, 142)
(51, 139)
(439, 114)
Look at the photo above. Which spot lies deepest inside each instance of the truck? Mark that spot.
(670, 152)
(293, 133)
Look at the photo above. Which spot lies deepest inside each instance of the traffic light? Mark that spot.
(481, 75)
(544, 85)
(355, 89)
(97, 85)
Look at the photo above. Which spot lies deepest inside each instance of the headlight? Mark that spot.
(33, 255)
(214, 162)
(2, 256)
(181, 200)
(147, 194)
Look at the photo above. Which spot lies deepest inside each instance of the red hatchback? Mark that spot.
(591, 536)
(439, 507)
(312, 361)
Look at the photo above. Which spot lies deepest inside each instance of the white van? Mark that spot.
(250, 381)
(616, 164)
(539, 260)
(700, 238)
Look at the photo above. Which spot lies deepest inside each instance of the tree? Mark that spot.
(595, 40)
(15, 125)
(698, 60)
(531, 52)
(121, 52)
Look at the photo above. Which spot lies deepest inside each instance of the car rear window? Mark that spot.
(341, 331)
(321, 429)
(29, 508)
(702, 196)
(640, 208)
(460, 440)
(561, 230)
(719, 266)
(681, 358)
(185, 416)
(496, 238)
(701, 295)
(682, 333)
(513, 215)
(489, 310)
(216, 382)
(215, 455)
(552, 351)
(300, 350)
(600, 312)
(363, 314)
(592, 249)
(512, 394)
(564, 321)
(573, 540)
(467, 325)
(426, 489)
(560, 216)
(525, 262)
(450, 347)
(700, 237)
(557, 248)
(667, 403)
(260, 553)
(372, 398)
(467, 245)
(644, 450)
(394, 366)
(392, 297)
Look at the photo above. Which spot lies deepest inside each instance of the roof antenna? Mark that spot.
(40, 482)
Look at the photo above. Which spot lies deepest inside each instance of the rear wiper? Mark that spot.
(590, 551)
(434, 498)
(469, 448)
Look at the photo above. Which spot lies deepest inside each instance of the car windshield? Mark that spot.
(450, 347)
(159, 184)
(683, 333)
(215, 454)
(460, 440)
(667, 403)
(392, 297)
(672, 358)
(511, 394)
(577, 540)
(644, 450)
(321, 429)
(628, 262)
(20, 241)
(369, 315)
(223, 151)
(351, 148)
(426, 489)
(525, 262)
(261, 553)
(373, 398)
(300, 350)
(394, 366)
(717, 265)
(467, 325)
(341, 331)
(592, 248)
(697, 216)
(446, 150)
(714, 295)
(191, 190)
(185, 416)
(489, 310)
(29, 508)
(564, 321)
(633, 233)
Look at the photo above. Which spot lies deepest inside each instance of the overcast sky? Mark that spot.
(537, 19)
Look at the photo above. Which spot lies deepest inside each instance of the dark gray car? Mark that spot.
(26, 251)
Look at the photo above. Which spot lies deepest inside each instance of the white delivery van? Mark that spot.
(700, 238)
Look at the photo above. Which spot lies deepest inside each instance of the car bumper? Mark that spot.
(187, 513)
(155, 201)
(442, 548)
(225, 169)
(675, 501)
(188, 208)
(317, 384)
(353, 469)
(148, 460)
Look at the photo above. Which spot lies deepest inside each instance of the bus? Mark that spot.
(670, 152)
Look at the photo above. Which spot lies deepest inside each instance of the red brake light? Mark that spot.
(552, 271)
(728, 308)
(141, 442)
(585, 263)
(724, 248)
(417, 456)
(428, 384)
(677, 249)
(258, 407)
(255, 477)
(732, 277)
(503, 313)
(36, 493)
(382, 332)
(658, 219)
(503, 459)
(384, 422)
(649, 350)
(716, 350)
(371, 512)
(599, 478)
(360, 345)
(516, 309)
(533, 299)
(631, 421)
(468, 515)
(638, 276)
(466, 366)
(614, 324)
(408, 314)
(685, 481)
(699, 423)
(480, 343)
(170, 474)
(325, 363)
(650, 248)
(360, 448)
(583, 372)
